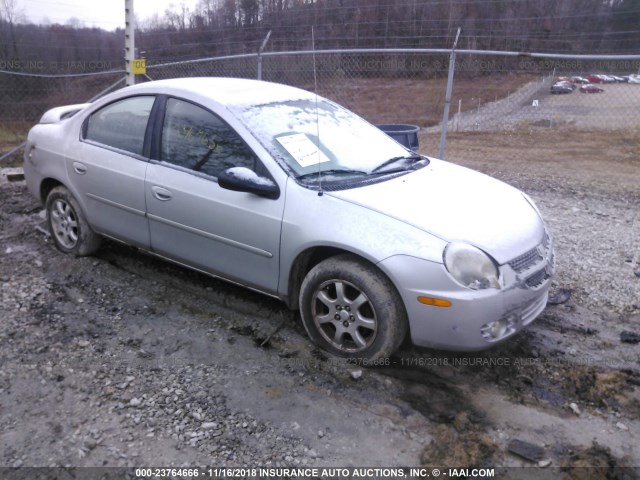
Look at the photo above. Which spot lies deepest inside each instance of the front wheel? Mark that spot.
(69, 229)
(351, 309)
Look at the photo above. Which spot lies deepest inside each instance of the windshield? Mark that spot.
(324, 137)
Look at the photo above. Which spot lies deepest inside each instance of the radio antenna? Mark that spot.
(315, 87)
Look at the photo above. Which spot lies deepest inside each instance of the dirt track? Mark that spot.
(122, 359)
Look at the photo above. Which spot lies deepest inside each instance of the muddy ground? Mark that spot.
(124, 360)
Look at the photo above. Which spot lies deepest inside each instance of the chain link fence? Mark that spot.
(492, 91)
(25, 97)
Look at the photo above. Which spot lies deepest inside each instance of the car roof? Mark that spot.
(226, 91)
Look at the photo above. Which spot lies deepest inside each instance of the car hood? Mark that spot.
(457, 204)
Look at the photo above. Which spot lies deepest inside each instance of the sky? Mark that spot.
(107, 14)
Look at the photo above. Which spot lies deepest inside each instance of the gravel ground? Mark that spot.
(124, 360)
(586, 185)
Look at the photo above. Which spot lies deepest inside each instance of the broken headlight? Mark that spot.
(470, 266)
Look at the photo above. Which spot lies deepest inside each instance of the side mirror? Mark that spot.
(242, 179)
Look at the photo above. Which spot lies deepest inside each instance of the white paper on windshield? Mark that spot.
(302, 149)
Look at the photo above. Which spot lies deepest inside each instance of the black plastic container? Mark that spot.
(407, 135)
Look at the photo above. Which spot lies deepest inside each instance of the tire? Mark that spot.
(69, 229)
(351, 309)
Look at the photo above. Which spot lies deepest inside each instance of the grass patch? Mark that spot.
(607, 160)
(12, 134)
(416, 101)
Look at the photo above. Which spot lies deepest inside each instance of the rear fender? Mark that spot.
(57, 114)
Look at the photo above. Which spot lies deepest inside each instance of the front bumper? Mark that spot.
(468, 324)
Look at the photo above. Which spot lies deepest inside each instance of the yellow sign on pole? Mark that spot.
(139, 66)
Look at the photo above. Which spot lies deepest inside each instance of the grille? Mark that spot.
(537, 279)
(533, 256)
(526, 261)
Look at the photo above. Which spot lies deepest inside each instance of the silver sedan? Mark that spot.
(292, 195)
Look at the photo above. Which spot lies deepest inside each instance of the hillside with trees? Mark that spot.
(227, 27)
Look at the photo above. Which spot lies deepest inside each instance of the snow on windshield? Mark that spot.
(346, 140)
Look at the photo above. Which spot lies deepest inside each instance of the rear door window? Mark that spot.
(122, 124)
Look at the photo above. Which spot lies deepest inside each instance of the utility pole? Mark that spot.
(447, 98)
(129, 42)
(262, 47)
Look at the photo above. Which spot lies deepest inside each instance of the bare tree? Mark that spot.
(230, 13)
(10, 14)
(249, 10)
(178, 17)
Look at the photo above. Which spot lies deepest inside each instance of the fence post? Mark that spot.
(447, 97)
(262, 47)
(129, 42)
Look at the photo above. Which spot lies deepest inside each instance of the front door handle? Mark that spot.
(79, 168)
(161, 194)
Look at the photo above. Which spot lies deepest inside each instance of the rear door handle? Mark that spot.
(161, 194)
(79, 168)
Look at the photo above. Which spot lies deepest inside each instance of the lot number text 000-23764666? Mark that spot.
(312, 472)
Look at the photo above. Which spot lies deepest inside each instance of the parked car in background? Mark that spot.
(590, 88)
(595, 78)
(633, 78)
(578, 79)
(287, 193)
(562, 87)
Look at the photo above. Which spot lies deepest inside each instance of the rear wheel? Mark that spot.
(351, 309)
(69, 229)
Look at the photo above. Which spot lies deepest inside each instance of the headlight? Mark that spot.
(470, 266)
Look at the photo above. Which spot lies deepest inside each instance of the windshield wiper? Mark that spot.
(336, 171)
(412, 158)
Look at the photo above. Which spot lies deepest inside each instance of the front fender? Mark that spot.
(312, 221)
